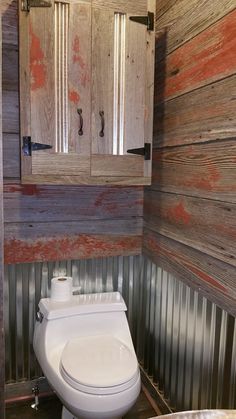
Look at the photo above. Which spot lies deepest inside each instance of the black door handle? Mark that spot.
(81, 122)
(101, 133)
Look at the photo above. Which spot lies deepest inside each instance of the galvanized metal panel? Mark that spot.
(188, 345)
(185, 343)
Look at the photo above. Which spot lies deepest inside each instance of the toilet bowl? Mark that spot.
(85, 350)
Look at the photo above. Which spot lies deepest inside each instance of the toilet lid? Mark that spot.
(99, 362)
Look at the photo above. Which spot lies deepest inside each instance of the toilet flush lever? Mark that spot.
(39, 316)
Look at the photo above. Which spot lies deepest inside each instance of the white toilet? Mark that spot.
(85, 350)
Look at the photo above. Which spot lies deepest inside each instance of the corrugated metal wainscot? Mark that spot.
(185, 343)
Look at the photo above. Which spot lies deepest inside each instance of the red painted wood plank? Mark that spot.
(185, 19)
(38, 203)
(212, 278)
(204, 114)
(205, 225)
(208, 57)
(206, 170)
(70, 247)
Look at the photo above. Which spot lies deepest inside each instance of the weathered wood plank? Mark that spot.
(10, 114)
(162, 7)
(59, 164)
(80, 246)
(207, 170)
(137, 7)
(2, 340)
(10, 78)
(9, 11)
(149, 94)
(205, 114)
(29, 203)
(35, 231)
(185, 19)
(117, 165)
(11, 156)
(206, 225)
(85, 180)
(212, 278)
(204, 59)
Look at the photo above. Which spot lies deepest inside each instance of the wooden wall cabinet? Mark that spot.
(86, 90)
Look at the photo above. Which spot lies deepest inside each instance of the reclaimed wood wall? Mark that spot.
(2, 350)
(61, 222)
(190, 209)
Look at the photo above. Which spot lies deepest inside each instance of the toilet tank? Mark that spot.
(83, 315)
(82, 304)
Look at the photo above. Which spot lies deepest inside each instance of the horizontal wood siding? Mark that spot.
(79, 246)
(2, 349)
(207, 57)
(57, 222)
(206, 225)
(207, 275)
(199, 116)
(189, 210)
(184, 19)
(207, 170)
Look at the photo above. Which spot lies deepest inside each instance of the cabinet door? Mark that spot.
(122, 85)
(55, 75)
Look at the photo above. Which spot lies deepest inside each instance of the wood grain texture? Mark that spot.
(60, 164)
(102, 81)
(207, 170)
(189, 210)
(80, 246)
(11, 156)
(47, 223)
(35, 230)
(137, 7)
(103, 211)
(28, 203)
(199, 116)
(117, 165)
(205, 225)
(149, 94)
(137, 60)
(40, 27)
(9, 10)
(86, 180)
(10, 78)
(2, 350)
(24, 88)
(206, 58)
(162, 7)
(10, 113)
(212, 278)
(185, 19)
(79, 86)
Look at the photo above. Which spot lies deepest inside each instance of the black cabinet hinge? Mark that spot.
(29, 146)
(143, 151)
(27, 4)
(145, 20)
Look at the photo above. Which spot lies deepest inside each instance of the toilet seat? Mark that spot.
(99, 365)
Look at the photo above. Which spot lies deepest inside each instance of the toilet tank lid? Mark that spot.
(82, 304)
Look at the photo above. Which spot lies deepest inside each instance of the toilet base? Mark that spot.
(67, 415)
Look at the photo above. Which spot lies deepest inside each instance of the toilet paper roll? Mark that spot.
(61, 288)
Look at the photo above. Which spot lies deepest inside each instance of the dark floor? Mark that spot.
(51, 408)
